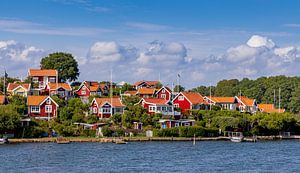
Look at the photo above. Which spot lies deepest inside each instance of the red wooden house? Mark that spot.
(164, 93)
(156, 105)
(107, 107)
(43, 107)
(41, 78)
(168, 123)
(189, 100)
(64, 90)
(88, 88)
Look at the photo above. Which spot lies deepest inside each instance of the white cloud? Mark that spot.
(259, 41)
(17, 57)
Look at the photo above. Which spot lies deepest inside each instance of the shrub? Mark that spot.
(170, 132)
(187, 131)
(88, 133)
(106, 131)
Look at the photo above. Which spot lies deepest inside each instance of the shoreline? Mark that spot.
(145, 139)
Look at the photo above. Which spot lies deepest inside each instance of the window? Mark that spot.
(151, 108)
(186, 124)
(176, 105)
(35, 79)
(106, 110)
(48, 101)
(48, 108)
(176, 124)
(164, 108)
(94, 110)
(163, 96)
(83, 92)
(52, 80)
(35, 109)
(20, 93)
(163, 90)
(180, 98)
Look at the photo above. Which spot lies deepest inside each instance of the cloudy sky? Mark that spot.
(203, 41)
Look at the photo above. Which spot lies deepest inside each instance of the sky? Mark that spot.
(202, 41)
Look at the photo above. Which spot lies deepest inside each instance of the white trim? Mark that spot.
(48, 106)
(50, 99)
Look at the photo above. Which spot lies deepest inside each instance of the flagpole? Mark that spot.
(210, 97)
(4, 82)
(111, 93)
(279, 100)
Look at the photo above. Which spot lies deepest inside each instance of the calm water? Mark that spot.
(274, 156)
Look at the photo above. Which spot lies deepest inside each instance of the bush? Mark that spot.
(187, 131)
(106, 131)
(119, 132)
(88, 133)
(170, 132)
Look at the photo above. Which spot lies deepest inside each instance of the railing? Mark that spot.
(169, 113)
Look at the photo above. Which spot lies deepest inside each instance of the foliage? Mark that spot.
(187, 131)
(106, 131)
(116, 119)
(127, 87)
(19, 103)
(178, 88)
(170, 132)
(9, 118)
(64, 63)
(75, 108)
(135, 113)
(130, 100)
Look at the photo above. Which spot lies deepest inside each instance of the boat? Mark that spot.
(3, 140)
(236, 137)
(61, 140)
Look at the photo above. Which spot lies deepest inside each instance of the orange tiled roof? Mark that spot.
(145, 91)
(247, 101)
(194, 97)
(2, 99)
(54, 86)
(156, 101)
(12, 86)
(35, 100)
(44, 72)
(116, 101)
(269, 108)
(130, 92)
(222, 99)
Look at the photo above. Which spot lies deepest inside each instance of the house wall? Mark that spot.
(81, 93)
(42, 112)
(183, 104)
(160, 93)
(20, 90)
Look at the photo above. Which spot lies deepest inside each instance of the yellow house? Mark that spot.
(18, 89)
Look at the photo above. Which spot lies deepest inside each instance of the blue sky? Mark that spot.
(204, 41)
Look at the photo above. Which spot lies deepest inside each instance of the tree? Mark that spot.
(179, 88)
(73, 111)
(19, 103)
(127, 87)
(64, 63)
(9, 118)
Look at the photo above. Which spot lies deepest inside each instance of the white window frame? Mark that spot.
(83, 92)
(186, 124)
(163, 90)
(163, 96)
(106, 110)
(48, 108)
(181, 98)
(176, 105)
(35, 109)
(152, 108)
(176, 125)
(52, 79)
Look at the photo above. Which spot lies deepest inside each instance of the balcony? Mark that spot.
(175, 113)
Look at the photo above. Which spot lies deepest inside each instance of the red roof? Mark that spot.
(144, 91)
(54, 86)
(221, 99)
(194, 97)
(12, 86)
(156, 101)
(43, 72)
(36, 100)
(247, 101)
(115, 101)
(269, 108)
(131, 93)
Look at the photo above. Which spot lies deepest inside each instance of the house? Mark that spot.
(226, 103)
(43, 107)
(88, 88)
(245, 104)
(168, 123)
(41, 77)
(269, 108)
(156, 105)
(189, 100)
(164, 93)
(107, 107)
(146, 92)
(64, 90)
(3, 100)
(19, 89)
(137, 125)
(146, 84)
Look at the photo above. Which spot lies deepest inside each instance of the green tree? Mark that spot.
(74, 110)
(9, 118)
(64, 63)
(178, 88)
(19, 103)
